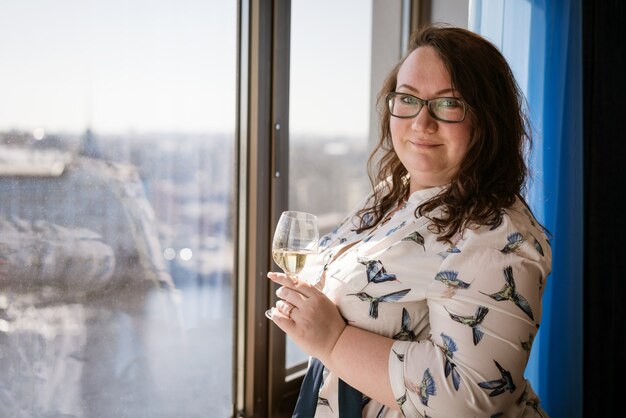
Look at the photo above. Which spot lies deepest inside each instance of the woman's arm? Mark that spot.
(358, 357)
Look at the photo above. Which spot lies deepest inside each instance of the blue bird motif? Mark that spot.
(499, 386)
(324, 241)
(415, 237)
(398, 355)
(374, 301)
(472, 322)
(449, 347)
(425, 389)
(405, 334)
(449, 278)
(446, 253)
(515, 240)
(328, 257)
(509, 292)
(376, 272)
(392, 230)
(533, 403)
(401, 400)
(527, 345)
(368, 219)
(538, 246)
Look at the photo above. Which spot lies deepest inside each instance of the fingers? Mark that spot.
(285, 308)
(291, 296)
(294, 283)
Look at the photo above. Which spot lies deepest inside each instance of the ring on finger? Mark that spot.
(286, 308)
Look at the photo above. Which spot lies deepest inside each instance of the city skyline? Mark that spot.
(159, 66)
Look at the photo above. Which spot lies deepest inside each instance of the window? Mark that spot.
(117, 156)
(329, 112)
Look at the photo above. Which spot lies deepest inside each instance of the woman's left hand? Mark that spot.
(307, 315)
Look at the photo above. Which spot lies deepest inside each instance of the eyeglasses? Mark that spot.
(445, 109)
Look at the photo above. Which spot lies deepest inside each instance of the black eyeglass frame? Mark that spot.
(424, 103)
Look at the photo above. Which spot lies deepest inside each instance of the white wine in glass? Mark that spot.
(295, 238)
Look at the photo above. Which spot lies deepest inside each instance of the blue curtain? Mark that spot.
(542, 40)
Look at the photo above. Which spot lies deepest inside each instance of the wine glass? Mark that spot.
(295, 238)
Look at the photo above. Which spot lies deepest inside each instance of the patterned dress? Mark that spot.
(464, 315)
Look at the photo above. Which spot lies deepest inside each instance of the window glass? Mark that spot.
(329, 111)
(116, 181)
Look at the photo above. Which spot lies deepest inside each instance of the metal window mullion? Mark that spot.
(280, 389)
(254, 208)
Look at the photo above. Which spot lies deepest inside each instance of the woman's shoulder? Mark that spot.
(516, 231)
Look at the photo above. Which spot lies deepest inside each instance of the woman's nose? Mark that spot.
(424, 121)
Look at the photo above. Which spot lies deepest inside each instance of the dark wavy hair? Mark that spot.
(493, 173)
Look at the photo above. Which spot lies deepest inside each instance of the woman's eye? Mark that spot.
(449, 103)
(408, 100)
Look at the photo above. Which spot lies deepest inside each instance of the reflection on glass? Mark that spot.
(116, 211)
(329, 112)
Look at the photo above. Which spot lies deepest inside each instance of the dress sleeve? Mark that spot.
(484, 309)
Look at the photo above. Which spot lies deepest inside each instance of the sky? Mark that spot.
(120, 66)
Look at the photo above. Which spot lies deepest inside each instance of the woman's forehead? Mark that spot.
(423, 71)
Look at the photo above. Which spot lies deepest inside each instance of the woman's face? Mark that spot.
(430, 150)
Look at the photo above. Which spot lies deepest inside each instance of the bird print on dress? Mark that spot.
(449, 347)
(324, 402)
(368, 219)
(527, 345)
(538, 246)
(533, 403)
(509, 292)
(530, 217)
(425, 389)
(405, 334)
(417, 238)
(324, 241)
(376, 272)
(401, 400)
(381, 412)
(515, 240)
(374, 301)
(499, 386)
(453, 283)
(392, 230)
(446, 253)
(398, 355)
(472, 322)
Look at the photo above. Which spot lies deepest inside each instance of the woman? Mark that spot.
(431, 292)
